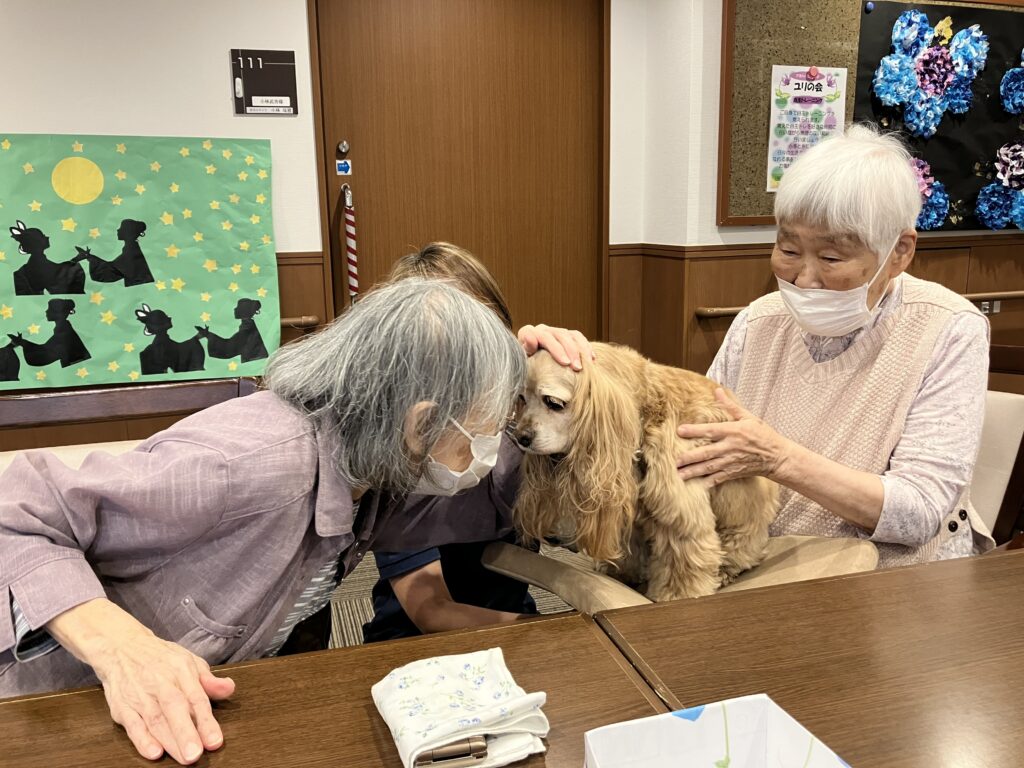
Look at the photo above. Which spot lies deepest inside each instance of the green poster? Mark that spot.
(134, 259)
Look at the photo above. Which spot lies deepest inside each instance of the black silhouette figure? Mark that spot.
(39, 274)
(64, 345)
(130, 266)
(246, 341)
(165, 354)
(10, 364)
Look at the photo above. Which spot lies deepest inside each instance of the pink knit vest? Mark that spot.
(851, 409)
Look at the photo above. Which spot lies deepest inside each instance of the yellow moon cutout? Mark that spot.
(77, 180)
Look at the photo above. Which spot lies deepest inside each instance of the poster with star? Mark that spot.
(134, 259)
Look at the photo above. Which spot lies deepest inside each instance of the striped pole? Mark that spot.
(350, 251)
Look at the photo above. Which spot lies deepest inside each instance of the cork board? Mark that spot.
(755, 35)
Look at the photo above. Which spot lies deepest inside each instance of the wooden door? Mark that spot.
(479, 122)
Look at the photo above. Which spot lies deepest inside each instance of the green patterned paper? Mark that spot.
(134, 259)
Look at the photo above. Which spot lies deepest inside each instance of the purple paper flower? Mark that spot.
(923, 172)
(934, 69)
(1010, 165)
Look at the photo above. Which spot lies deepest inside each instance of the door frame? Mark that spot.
(331, 243)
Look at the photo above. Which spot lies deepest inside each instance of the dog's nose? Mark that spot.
(524, 439)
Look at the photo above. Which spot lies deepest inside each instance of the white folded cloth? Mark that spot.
(432, 702)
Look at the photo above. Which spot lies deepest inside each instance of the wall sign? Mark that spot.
(263, 82)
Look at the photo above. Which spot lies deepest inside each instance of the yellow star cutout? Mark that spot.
(33, 329)
(234, 198)
(68, 225)
(205, 317)
(129, 347)
(96, 298)
(232, 366)
(112, 366)
(215, 205)
(3, 256)
(211, 169)
(183, 152)
(155, 166)
(160, 285)
(177, 284)
(27, 168)
(108, 317)
(40, 375)
(266, 239)
(121, 149)
(140, 188)
(261, 173)
(174, 187)
(210, 265)
(249, 160)
(35, 205)
(204, 296)
(116, 199)
(172, 251)
(226, 154)
(5, 144)
(244, 245)
(82, 373)
(233, 287)
(76, 147)
(242, 176)
(94, 233)
(198, 237)
(121, 175)
(167, 218)
(6, 312)
(186, 214)
(261, 198)
(226, 224)
(134, 375)
(261, 292)
(236, 268)
(255, 269)
(207, 144)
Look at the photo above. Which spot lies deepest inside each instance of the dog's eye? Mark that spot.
(553, 404)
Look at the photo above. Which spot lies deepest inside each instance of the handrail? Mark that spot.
(705, 312)
(306, 321)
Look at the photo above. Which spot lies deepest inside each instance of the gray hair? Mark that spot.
(859, 184)
(411, 341)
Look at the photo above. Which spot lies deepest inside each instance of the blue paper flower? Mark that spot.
(923, 113)
(994, 205)
(935, 207)
(895, 79)
(1011, 89)
(1017, 210)
(911, 33)
(969, 48)
(959, 95)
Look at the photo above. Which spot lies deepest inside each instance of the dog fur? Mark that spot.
(600, 468)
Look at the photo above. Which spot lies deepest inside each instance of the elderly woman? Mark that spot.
(214, 538)
(864, 387)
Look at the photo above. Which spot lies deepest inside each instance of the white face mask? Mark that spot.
(441, 480)
(822, 312)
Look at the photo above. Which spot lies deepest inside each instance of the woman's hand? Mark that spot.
(567, 347)
(158, 691)
(740, 448)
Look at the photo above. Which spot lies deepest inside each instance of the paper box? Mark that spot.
(747, 732)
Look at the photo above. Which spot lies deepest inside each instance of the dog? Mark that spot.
(599, 471)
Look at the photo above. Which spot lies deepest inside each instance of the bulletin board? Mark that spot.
(755, 35)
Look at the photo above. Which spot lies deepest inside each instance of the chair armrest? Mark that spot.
(587, 591)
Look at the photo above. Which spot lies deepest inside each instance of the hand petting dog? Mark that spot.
(744, 447)
(566, 347)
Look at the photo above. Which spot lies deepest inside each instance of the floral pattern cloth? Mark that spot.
(432, 702)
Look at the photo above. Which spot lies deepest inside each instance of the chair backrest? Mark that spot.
(998, 484)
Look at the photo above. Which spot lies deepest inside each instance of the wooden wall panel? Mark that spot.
(625, 301)
(301, 279)
(1000, 268)
(948, 266)
(663, 313)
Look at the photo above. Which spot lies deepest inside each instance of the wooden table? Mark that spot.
(315, 709)
(916, 666)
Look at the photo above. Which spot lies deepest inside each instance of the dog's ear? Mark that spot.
(602, 475)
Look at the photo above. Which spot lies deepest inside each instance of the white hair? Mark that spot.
(412, 341)
(860, 184)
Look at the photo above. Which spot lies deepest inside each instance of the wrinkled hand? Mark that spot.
(160, 693)
(744, 447)
(567, 347)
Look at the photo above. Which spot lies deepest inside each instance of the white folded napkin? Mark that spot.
(433, 702)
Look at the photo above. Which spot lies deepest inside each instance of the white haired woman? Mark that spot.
(213, 539)
(864, 387)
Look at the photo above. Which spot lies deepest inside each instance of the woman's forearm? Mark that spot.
(91, 630)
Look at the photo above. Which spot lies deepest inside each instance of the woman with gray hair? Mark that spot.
(864, 387)
(213, 539)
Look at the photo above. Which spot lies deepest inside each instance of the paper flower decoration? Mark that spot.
(995, 202)
(1010, 165)
(1011, 89)
(930, 71)
(934, 198)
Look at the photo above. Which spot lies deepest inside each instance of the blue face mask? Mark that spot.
(441, 480)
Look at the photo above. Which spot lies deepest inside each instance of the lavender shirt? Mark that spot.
(207, 533)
